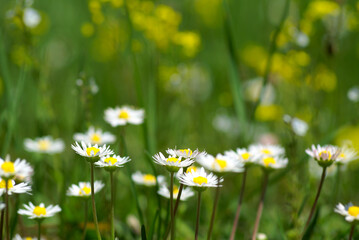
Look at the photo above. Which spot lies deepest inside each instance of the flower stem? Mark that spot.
(2, 224)
(171, 209)
(39, 229)
(85, 220)
(112, 206)
(241, 194)
(260, 206)
(316, 198)
(215, 203)
(351, 232)
(198, 209)
(7, 209)
(93, 202)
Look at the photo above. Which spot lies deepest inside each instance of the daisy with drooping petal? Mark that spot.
(111, 163)
(351, 214)
(200, 180)
(324, 155)
(261, 150)
(148, 180)
(39, 211)
(165, 192)
(13, 187)
(221, 163)
(91, 151)
(95, 136)
(120, 116)
(185, 153)
(172, 163)
(83, 189)
(44, 145)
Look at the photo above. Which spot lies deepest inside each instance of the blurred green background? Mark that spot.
(197, 68)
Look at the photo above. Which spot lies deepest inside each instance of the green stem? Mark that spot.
(351, 232)
(175, 210)
(198, 211)
(93, 202)
(172, 210)
(215, 204)
(7, 209)
(112, 207)
(2, 223)
(85, 220)
(39, 229)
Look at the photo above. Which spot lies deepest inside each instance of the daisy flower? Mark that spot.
(111, 163)
(120, 116)
(350, 211)
(324, 155)
(185, 153)
(10, 169)
(13, 187)
(266, 150)
(44, 145)
(347, 155)
(221, 163)
(242, 155)
(272, 162)
(83, 189)
(200, 180)
(92, 152)
(18, 237)
(95, 136)
(39, 211)
(165, 192)
(172, 163)
(148, 180)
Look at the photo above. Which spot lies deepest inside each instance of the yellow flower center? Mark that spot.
(266, 151)
(9, 184)
(175, 190)
(8, 167)
(111, 160)
(44, 144)
(245, 156)
(200, 180)
(28, 238)
(188, 152)
(149, 178)
(268, 160)
(95, 138)
(191, 168)
(342, 155)
(173, 159)
(39, 211)
(92, 149)
(221, 163)
(85, 190)
(353, 211)
(325, 153)
(123, 115)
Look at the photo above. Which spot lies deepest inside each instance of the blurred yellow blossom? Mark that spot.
(87, 29)
(20, 55)
(348, 135)
(321, 8)
(322, 79)
(189, 41)
(255, 57)
(209, 11)
(268, 113)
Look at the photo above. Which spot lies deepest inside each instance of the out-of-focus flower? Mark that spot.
(226, 124)
(134, 224)
(209, 11)
(91, 152)
(347, 154)
(322, 79)
(148, 180)
(349, 211)
(200, 180)
(253, 89)
(268, 112)
(172, 163)
(87, 29)
(120, 116)
(189, 41)
(221, 163)
(242, 155)
(93, 86)
(165, 192)
(324, 155)
(95, 136)
(83, 189)
(18, 237)
(348, 136)
(185, 153)
(272, 162)
(353, 94)
(31, 17)
(13, 187)
(261, 236)
(20, 168)
(44, 145)
(263, 151)
(321, 8)
(39, 211)
(111, 163)
(298, 126)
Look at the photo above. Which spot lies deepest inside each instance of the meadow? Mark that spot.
(110, 109)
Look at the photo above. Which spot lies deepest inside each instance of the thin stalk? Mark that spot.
(2, 223)
(112, 206)
(175, 210)
(171, 209)
(215, 203)
(316, 198)
(7, 209)
(93, 202)
(241, 194)
(85, 220)
(351, 232)
(198, 210)
(39, 229)
(260, 206)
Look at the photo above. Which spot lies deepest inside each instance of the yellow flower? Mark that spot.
(321, 8)
(87, 29)
(189, 41)
(268, 112)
